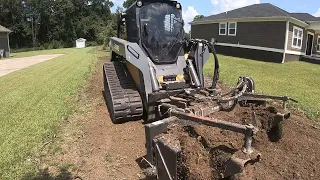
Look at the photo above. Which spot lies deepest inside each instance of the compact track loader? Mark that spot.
(156, 75)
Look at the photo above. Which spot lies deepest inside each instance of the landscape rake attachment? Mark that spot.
(165, 156)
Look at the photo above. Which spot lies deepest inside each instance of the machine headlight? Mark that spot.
(139, 3)
(178, 6)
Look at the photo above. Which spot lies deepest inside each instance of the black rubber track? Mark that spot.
(123, 100)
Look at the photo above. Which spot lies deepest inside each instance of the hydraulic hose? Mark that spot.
(244, 88)
(216, 74)
(241, 83)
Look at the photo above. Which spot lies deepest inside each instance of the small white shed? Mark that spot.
(81, 43)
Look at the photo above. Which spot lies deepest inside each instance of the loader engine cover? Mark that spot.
(161, 31)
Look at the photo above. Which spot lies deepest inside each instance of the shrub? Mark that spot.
(91, 43)
(56, 45)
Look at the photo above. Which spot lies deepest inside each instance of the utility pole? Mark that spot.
(33, 33)
(31, 19)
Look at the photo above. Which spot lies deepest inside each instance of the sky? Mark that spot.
(192, 8)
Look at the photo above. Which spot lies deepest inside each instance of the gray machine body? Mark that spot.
(135, 55)
(202, 55)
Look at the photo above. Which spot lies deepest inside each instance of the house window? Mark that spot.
(223, 29)
(232, 29)
(297, 37)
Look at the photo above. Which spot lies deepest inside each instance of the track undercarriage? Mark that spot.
(123, 100)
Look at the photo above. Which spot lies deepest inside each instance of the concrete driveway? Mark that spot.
(12, 65)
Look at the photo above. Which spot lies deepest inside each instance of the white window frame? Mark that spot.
(226, 28)
(235, 29)
(318, 44)
(293, 37)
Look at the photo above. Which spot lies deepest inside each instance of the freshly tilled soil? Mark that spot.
(206, 149)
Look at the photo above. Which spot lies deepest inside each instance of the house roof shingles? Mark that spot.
(259, 11)
(3, 29)
(306, 17)
(252, 11)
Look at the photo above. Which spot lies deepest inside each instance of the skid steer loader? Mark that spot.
(156, 75)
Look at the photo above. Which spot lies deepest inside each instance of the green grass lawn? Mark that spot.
(34, 101)
(299, 80)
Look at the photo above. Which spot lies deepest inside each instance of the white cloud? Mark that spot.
(227, 5)
(215, 2)
(317, 14)
(188, 16)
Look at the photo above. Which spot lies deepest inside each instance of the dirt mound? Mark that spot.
(205, 150)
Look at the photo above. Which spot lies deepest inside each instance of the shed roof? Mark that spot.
(81, 40)
(3, 29)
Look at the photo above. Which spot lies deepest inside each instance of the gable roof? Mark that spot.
(263, 10)
(3, 29)
(306, 17)
(252, 11)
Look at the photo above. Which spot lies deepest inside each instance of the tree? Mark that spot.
(187, 35)
(12, 17)
(43, 22)
(128, 3)
(197, 17)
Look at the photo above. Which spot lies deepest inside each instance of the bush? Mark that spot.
(56, 45)
(91, 43)
(47, 46)
(26, 49)
(52, 45)
(106, 47)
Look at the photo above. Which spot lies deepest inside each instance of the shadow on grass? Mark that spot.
(64, 174)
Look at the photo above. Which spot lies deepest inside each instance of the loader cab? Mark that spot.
(157, 26)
